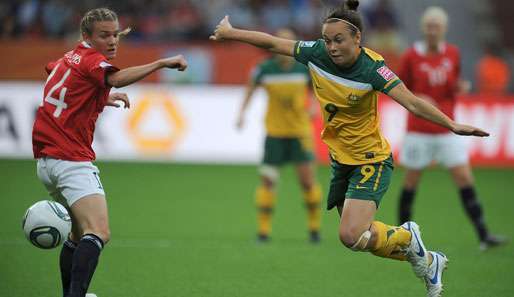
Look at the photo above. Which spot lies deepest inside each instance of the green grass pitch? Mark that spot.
(189, 230)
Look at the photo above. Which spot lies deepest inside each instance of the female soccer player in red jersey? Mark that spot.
(431, 69)
(76, 92)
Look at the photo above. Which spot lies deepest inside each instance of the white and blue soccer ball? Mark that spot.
(46, 224)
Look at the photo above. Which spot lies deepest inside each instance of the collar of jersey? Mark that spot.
(85, 44)
(421, 47)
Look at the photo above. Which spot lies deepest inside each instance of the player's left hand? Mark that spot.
(221, 30)
(114, 97)
(176, 62)
(467, 130)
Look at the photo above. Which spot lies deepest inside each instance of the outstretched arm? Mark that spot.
(130, 75)
(423, 109)
(225, 31)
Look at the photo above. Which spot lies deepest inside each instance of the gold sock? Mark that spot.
(391, 241)
(265, 200)
(312, 202)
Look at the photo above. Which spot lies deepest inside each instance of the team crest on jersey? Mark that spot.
(307, 43)
(386, 73)
(73, 58)
(353, 99)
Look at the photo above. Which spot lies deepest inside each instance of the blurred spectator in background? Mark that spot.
(56, 26)
(164, 20)
(382, 30)
(306, 16)
(182, 21)
(492, 72)
(276, 14)
(7, 19)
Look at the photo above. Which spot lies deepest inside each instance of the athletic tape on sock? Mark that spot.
(362, 243)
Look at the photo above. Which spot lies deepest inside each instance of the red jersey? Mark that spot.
(75, 93)
(435, 76)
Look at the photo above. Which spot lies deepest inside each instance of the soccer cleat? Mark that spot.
(90, 295)
(492, 241)
(417, 254)
(433, 278)
(314, 237)
(263, 238)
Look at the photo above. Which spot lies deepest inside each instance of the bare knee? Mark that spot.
(103, 232)
(411, 179)
(306, 185)
(268, 183)
(349, 236)
(462, 176)
(91, 216)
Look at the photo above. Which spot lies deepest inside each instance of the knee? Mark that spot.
(268, 183)
(103, 232)
(348, 236)
(464, 181)
(410, 184)
(307, 185)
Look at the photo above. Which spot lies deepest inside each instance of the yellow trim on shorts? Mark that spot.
(379, 174)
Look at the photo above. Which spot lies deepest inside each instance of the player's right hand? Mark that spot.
(221, 30)
(467, 130)
(177, 62)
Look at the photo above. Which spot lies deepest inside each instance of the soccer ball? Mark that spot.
(46, 224)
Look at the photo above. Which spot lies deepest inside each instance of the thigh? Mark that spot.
(417, 151)
(412, 177)
(357, 215)
(305, 172)
(75, 180)
(90, 212)
(462, 175)
(451, 151)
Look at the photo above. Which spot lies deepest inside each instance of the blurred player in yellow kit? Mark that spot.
(288, 136)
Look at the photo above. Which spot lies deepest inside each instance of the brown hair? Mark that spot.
(99, 15)
(348, 13)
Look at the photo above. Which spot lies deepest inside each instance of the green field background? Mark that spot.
(189, 230)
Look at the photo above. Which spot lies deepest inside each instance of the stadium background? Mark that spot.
(180, 178)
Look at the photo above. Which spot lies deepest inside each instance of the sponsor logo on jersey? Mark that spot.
(307, 43)
(386, 73)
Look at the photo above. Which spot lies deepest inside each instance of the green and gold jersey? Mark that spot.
(287, 90)
(348, 99)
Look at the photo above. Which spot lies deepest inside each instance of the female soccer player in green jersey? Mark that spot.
(347, 78)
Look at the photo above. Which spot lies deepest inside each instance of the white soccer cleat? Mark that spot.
(417, 254)
(434, 277)
(90, 295)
